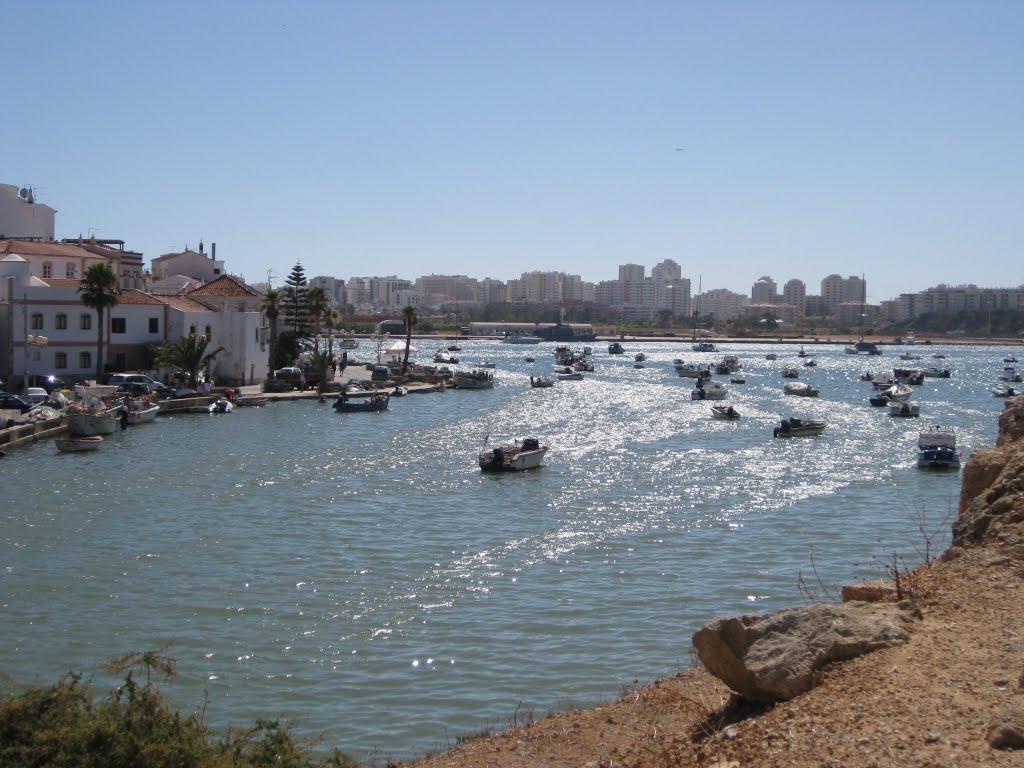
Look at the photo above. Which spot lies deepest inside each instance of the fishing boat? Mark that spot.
(692, 370)
(799, 389)
(709, 390)
(475, 379)
(704, 346)
(514, 456)
(795, 427)
(78, 444)
(142, 415)
(86, 422)
(1009, 374)
(541, 382)
(936, 449)
(904, 409)
(615, 348)
(726, 412)
(348, 402)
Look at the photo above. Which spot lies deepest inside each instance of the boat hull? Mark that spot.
(78, 444)
(143, 416)
(504, 460)
(89, 424)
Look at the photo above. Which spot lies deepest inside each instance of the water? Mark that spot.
(357, 573)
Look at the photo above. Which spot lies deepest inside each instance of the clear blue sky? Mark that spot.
(492, 138)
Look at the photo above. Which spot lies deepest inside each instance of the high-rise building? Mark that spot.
(764, 291)
(794, 293)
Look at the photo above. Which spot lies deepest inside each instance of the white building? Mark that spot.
(794, 293)
(764, 291)
(190, 263)
(722, 303)
(22, 217)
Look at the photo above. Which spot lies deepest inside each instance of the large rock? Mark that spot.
(773, 657)
(992, 493)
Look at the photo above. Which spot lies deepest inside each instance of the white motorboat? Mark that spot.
(78, 444)
(726, 412)
(488, 364)
(794, 427)
(1003, 390)
(541, 382)
(221, 405)
(87, 422)
(790, 373)
(709, 390)
(909, 356)
(898, 392)
(703, 346)
(1009, 359)
(476, 379)
(639, 357)
(347, 343)
(1010, 374)
(444, 356)
(615, 348)
(799, 389)
(570, 376)
(935, 373)
(904, 409)
(515, 456)
(936, 449)
(692, 370)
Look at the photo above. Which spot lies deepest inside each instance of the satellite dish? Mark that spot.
(25, 193)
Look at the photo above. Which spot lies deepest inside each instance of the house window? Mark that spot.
(61, 322)
(85, 360)
(60, 361)
(70, 271)
(191, 330)
(47, 270)
(118, 325)
(209, 332)
(85, 322)
(154, 325)
(37, 321)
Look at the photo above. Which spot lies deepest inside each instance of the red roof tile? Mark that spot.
(225, 285)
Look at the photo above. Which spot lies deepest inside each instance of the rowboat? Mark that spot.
(78, 444)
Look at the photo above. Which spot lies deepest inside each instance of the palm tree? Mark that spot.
(272, 301)
(188, 354)
(409, 316)
(99, 290)
(321, 361)
(317, 305)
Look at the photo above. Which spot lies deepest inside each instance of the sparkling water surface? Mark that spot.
(356, 573)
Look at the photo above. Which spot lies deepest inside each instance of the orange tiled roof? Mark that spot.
(135, 296)
(34, 248)
(185, 304)
(62, 282)
(225, 285)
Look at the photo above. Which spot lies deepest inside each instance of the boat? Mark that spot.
(454, 348)
(709, 390)
(908, 376)
(936, 449)
(801, 353)
(939, 356)
(352, 403)
(89, 422)
(475, 379)
(879, 400)
(220, 405)
(794, 427)
(615, 348)
(541, 382)
(737, 381)
(444, 356)
(78, 444)
(704, 346)
(862, 348)
(488, 364)
(531, 359)
(811, 364)
(909, 356)
(728, 364)
(639, 365)
(883, 381)
(771, 356)
(799, 389)
(1009, 374)
(911, 338)
(570, 376)
(1003, 390)
(898, 392)
(790, 373)
(347, 343)
(692, 370)
(935, 373)
(142, 415)
(726, 412)
(639, 357)
(515, 456)
(1009, 359)
(904, 409)
(522, 338)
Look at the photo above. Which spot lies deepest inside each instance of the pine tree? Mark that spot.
(295, 310)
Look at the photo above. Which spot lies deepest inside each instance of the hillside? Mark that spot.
(952, 695)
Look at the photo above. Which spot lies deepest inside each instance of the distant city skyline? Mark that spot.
(794, 139)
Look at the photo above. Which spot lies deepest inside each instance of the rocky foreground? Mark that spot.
(926, 672)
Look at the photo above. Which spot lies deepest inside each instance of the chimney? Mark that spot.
(213, 251)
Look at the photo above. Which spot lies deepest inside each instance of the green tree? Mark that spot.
(189, 355)
(320, 360)
(317, 306)
(410, 318)
(272, 301)
(99, 290)
(295, 307)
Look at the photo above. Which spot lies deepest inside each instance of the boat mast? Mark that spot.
(696, 312)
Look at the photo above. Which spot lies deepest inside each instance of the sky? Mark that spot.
(490, 138)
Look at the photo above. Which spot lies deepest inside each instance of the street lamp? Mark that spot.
(32, 342)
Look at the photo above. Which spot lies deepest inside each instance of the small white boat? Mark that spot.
(709, 390)
(78, 444)
(89, 423)
(443, 356)
(692, 370)
(799, 389)
(639, 357)
(794, 427)
(540, 382)
(143, 415)
(522, 339)
(516, 456)
(1009, 374)
(898, 392)
(909, 356)
(1009, 359)
(935, 373)
(936, 449)
(904, 409)
(726, 412)
(790, 373)
(571, 376)
(221, 405)
(488, 364)
(703, 346)
(1003, 390)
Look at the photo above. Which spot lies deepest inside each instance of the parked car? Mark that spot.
(36, 395)
(380, 373)
(9, 402)
(124, 379)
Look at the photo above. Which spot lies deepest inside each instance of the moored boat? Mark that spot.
(1003, 390)
(1010, 374)
(709, 390)
(370, 402)
(142, 415)
(475, 379)
(514, 456)
(796, 427)
(936, 449)
(799, 389)
(790, 373)
(726, 412)
(692, 370)
(615, 348)
(78, 444)
(541, 382)
(904, 409)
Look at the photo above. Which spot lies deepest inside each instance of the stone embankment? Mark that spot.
(926, 670)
